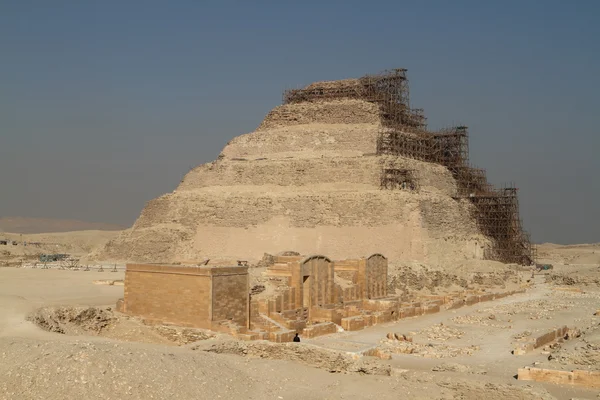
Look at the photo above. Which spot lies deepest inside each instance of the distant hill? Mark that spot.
(45, 225)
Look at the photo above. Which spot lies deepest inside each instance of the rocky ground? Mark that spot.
(60, 337)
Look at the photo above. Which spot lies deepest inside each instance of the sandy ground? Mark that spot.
(479, 339)
(129, 359)
(39, 364)
(26, 225)
(78, 244)
(577, 254)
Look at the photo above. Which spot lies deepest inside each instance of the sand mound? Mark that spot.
(73, 320)
(99, 321)
(327, 359)
(104, 370)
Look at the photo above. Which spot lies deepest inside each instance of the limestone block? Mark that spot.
(296, 325)
(368, 320)
(431, 309)
(121, 305)
(561, 332)
(282, 336)
(545, 339)
(545, 375)
(589, 379)
(375, 352)
(456, 304)
(321, 329)
(382, 317)
(353, 323)
(406, 312)
(486, 297)
(402, 337)
(524, 348)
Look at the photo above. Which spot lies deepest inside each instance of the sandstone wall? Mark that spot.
(199, 297)
(179, 295)
(230, 298)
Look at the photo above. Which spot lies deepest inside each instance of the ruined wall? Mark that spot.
(369, 276)
(376, 273)
(313, 280)
(230, 299)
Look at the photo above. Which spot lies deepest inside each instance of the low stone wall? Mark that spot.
(353, 323)
(324, 328)
(539, 341)
(282, 336)
(361, 314)
(470, 298)
(590, 379)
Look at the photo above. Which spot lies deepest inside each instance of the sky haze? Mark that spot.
(106, 105)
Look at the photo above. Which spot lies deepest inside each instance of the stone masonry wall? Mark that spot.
(176, 295)
(197, 297)
(230, 298)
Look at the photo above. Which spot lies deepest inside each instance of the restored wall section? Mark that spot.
(188, 296)
(590, 379)
(376, 276)
(230, 299)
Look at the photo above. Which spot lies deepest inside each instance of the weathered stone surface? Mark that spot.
(306, 180)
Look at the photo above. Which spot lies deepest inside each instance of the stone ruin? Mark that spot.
(316, 296)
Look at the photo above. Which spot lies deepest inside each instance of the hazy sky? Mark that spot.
(105, 105)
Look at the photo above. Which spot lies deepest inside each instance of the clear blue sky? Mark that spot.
(107, 104)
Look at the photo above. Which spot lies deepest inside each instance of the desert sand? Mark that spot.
(60, 337)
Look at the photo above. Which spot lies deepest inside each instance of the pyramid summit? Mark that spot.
(344, 168)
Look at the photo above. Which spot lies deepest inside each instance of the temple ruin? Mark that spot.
(314, 296)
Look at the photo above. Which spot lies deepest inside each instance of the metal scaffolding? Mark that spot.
(389, 90)
(497, 213)
(404, 133)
